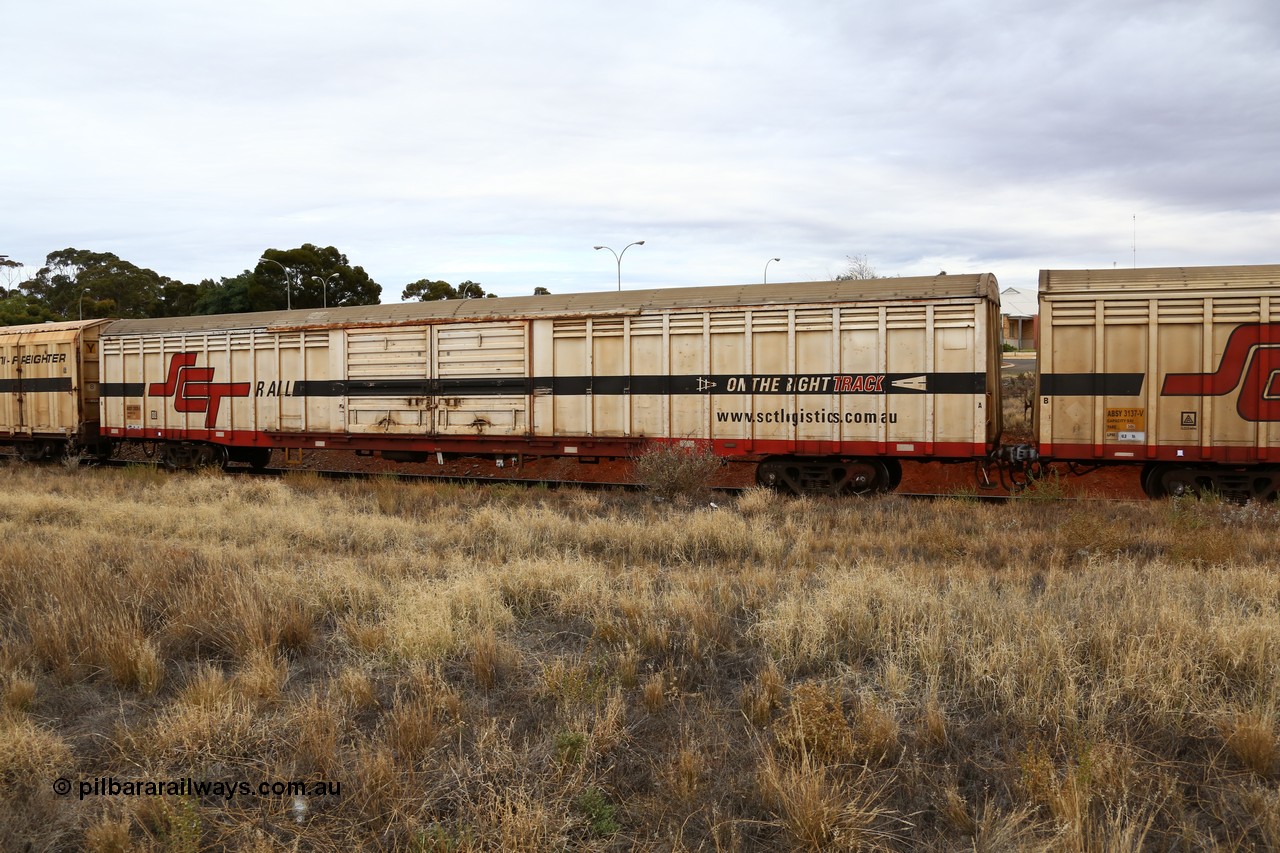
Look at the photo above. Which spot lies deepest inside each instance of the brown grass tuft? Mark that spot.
(109, 834)
(262, 676)
(19, 693)
(491, 659)
(760, 698)
(815, 725)
(821, 811)
(1253, 738)
(654, 692)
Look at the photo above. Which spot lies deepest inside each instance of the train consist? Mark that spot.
(826, 386)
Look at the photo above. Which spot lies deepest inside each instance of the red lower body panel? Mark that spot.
(1222, 454)
(554, 445)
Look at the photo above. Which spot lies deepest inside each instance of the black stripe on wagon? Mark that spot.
(780, 384)
(510, 385)
(327, 388)
(36, 386)
(121, 389)
(368, 387)
(709, 384)
(1091, 384)
(951, 383)
(763, 384)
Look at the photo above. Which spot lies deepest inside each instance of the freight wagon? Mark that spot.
(49, 389)
(1177, 369)
(825, 384)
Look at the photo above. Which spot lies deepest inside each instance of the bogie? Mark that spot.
(176, 455)
(1238, 483)
(40, 451)
(827, 476)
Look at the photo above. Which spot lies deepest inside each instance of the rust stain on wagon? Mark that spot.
(446, 321)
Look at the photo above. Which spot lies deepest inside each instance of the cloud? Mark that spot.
(499, 141)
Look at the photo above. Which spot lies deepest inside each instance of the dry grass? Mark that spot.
(522, 670)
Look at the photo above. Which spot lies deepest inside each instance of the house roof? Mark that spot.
(1019, 303)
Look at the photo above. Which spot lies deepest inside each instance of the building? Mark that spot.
(1019, 311)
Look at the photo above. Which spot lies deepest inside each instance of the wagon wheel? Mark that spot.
(893, 471)
(858, 477)
(174, 456)
(1170, 481)
(1151, 481)
(213, 456)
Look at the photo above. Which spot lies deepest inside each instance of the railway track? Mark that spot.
(546, 483)
(336, 474)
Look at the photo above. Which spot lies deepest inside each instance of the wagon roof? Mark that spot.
(65, 326)
(1163, 280)
(982, 286)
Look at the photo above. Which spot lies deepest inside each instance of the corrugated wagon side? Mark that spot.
(399, 380)
(1176, 368)
(210, 390)
(49, 388)
(828, 384)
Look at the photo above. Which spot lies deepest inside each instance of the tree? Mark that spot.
(20, 309)
(99, 284)
(425, 290)
(859, 269)
(305, 277)
(236, 295)
(10, 276)
(541, 291)
(178, 299)
(317, 276)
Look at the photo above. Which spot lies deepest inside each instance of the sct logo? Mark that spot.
(1252, 353)
(192, 389)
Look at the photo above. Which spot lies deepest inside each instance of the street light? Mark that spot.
(618, 257)
(324, 285)
(82, 293)
(288, 282)
(766, 268)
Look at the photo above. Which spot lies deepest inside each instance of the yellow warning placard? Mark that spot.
(1126, 424)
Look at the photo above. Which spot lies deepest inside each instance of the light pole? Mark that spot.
(324, 287)
(82, 292)
(288, 282)
(766, 268)
(618, 257)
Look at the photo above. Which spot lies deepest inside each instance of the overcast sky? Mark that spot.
(499, 141)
